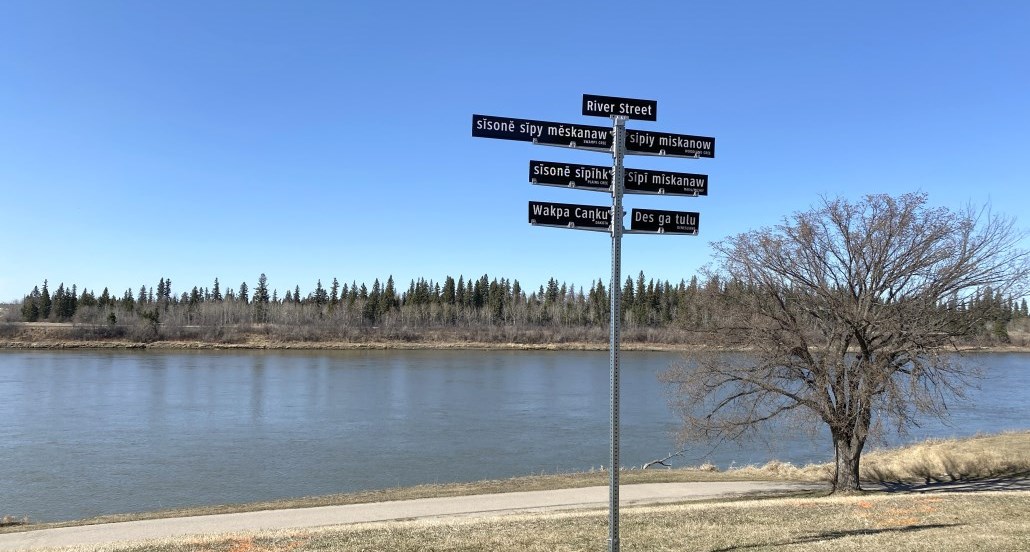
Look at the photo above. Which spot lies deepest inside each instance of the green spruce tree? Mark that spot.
(45, 303)
(261, 300)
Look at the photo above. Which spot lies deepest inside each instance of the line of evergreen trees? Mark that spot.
(426, 303)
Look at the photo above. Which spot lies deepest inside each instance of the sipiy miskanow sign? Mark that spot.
(631, 108)
(543, 132)
(599, 178)
(664, 222)
(569, 215)
(645, 142)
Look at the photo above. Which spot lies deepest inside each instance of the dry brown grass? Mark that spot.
(981, 457)
(953, 522)
(13, 521)
(935, 460)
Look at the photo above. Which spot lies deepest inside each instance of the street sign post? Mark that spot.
(616, 180)
(570, 215)
(653, 221)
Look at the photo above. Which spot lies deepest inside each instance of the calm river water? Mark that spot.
(94, 432)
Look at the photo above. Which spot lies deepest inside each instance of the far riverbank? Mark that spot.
(400, 345)
(50, 335)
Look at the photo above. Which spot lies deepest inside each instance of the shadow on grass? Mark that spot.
(1017, 482)
(830, 535)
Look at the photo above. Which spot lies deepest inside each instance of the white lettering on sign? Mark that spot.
(594, 105)
(551, 170)
(500, 126)
(534, 131)
(621, 108)
(684, 143)
(628, 109)
(686, 220)
(662, 219)
(593, 213)
(670, 179)
(667, 141)
(592, 173)
(643, 140)
(579, 133)
(550, 211)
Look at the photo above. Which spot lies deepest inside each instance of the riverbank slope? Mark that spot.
(49, 335)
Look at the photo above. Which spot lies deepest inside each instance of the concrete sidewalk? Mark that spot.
(476, 505)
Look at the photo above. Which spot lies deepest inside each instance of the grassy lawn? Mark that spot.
(951, 521)
(997, 521)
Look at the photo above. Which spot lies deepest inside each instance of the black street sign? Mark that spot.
(673, 145)
(606, 106)
(569, 215)
(569, 175)
(543, 132)
(664, 222)
(638, 181)
(599, 179)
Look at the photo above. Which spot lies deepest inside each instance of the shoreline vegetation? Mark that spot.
(474, 313)
(390, 345)
(73, 335)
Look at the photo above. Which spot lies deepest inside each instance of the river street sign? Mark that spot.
(644, 142)
(653, 221)
(606, 106)
(569, 215)
(567, 135)
(599, 178)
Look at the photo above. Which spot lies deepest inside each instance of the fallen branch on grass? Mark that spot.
(664, 460)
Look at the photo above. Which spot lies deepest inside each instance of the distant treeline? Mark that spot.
(485, 304)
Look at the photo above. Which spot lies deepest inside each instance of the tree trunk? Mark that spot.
(848, 450)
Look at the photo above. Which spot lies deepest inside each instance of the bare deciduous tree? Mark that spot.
(850, 312)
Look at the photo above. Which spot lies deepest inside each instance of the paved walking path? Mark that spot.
(477, 505)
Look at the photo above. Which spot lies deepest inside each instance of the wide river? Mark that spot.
(95, 432)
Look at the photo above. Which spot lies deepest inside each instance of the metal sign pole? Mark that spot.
(618, 175)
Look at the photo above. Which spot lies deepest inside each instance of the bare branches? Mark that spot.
(663, 461)
(850, 305)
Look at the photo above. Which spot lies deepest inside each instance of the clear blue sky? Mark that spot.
(312, 140)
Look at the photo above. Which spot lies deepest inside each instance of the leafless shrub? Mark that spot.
(9, 330)
(848, 311)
